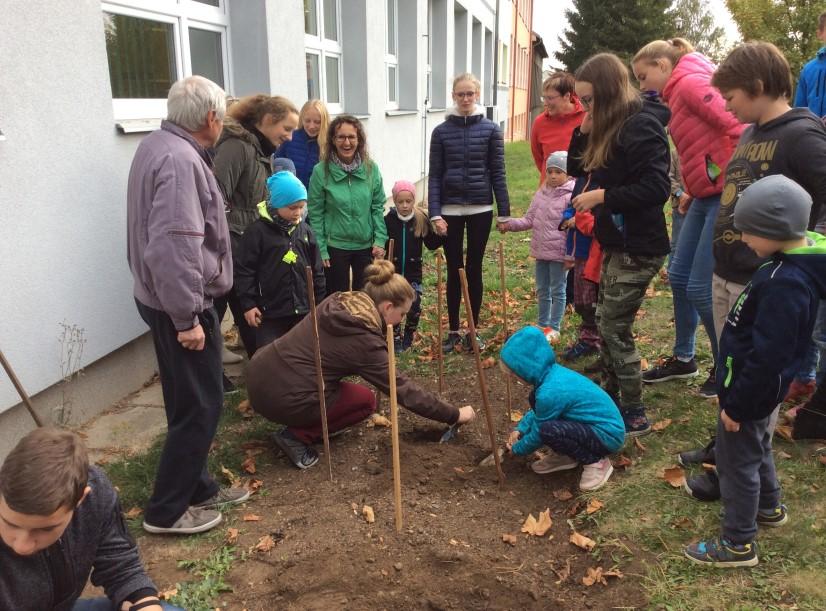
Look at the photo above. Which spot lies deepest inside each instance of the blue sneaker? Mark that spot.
(773, 517)
(636, 424)
(578, 351)
(722, 553)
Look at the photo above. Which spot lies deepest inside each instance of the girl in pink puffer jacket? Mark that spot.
(547, 242)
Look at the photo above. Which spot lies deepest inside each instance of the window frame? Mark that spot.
(318, 44)
(391, 60)
(183, 14)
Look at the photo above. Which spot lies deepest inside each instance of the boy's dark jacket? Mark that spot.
(636, 183)
(407, 248)
(267, 277)
(769, 329)
(793, 144)
(96, 540)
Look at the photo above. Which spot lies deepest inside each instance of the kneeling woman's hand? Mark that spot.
(466, 414)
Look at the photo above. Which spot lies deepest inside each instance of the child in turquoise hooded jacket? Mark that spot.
(569, 413)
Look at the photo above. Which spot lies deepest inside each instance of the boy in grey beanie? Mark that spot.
(764, 340)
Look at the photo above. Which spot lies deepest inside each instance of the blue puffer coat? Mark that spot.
(303, 151)
(467, 164)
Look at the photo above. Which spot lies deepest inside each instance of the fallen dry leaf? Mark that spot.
(638, 444)
(167, 594)
(563, 494)
(232, 535)
(251, 517)
(133, 513)
(516, 416)
(597, 575)
(379, 420)
(594, 505)
(575, 508)
(249, 465)
(539, 527)
(643, 364)
(508, 538)
(369, 515)
(674, 476)
(661, 424)
(245, 409)
(784, 431)
(683, 522)
(488, 362)
(253, 485)
(231, 477)
(582, 541)
(265, 544)
(622, 461)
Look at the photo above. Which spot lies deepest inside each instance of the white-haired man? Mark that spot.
(180, 259)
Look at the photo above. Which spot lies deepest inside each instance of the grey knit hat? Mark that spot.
(559, 159)
(774, 207)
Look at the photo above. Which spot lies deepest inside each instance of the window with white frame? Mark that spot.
(504, 64)
(322, 45)
(151, 44)
(391, 57)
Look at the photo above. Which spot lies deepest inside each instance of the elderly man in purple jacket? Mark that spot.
(179, 256)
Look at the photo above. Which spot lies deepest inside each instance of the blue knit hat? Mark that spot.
(285, 190)
(279, 164)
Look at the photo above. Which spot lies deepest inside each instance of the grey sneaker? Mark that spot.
(302, 456)
(225, 496)
(194, 520)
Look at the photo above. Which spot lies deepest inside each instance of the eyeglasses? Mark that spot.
(586, 100)
(346, 138)
(550, 98)
(464, 94)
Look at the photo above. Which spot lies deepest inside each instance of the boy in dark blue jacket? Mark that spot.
(764, 339)
(270, 270)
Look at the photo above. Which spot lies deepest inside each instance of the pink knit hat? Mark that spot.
(404, 185)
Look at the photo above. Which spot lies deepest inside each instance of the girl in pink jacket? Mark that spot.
(705, 136)
(547, 242)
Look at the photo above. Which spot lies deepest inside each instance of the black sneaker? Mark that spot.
(468, 347)
(453, 340)
(407, 339)
(671, 369)
(302, 456)
(229, 388)
(709, 387)
(578, 351)
(636, 424)
(704, 487)
(773, 518)
(723, 553)
(397, 345)
(699, 455)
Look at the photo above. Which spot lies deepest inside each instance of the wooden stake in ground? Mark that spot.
(20, 390)
(483, 386)
(322, 402)
(390, 249)
(439, 298)
(504, 321)
(394, 430)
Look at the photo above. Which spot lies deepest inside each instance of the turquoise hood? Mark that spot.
(528, 354)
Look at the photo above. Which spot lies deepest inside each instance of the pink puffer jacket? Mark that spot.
(544, 216)
(704, 133)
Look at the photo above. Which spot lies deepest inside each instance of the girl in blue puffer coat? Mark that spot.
(467, 168)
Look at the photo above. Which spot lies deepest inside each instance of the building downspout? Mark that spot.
(512, 86)
(530, 78)
(495, 99)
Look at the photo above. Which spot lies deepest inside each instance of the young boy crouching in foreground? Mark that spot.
(570, 414)
(60, 519)
(765, 338)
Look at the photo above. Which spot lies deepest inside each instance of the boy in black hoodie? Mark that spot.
(270, 270)
(765, 337)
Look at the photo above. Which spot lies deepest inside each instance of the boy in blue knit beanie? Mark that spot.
(270, 270)
(570, 414)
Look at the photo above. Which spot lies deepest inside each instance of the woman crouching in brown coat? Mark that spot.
(281, 378)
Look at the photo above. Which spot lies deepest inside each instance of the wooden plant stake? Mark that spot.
(322, 401)
(394, 430)
(504, 321)
(483, 386)
(20, 390)
(439, 299)
(390, 249)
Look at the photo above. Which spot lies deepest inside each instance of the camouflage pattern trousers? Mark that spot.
(622, 286)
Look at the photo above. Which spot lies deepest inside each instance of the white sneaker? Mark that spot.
(553, 462)
(229, 357)
(595, 475)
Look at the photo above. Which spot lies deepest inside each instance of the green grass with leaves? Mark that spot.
(643, 515)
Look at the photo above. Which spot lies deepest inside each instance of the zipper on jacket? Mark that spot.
(404, 246)
(729, 370)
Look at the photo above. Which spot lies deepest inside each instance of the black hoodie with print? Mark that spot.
(793, 144)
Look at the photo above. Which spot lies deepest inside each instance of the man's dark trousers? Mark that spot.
(193, 397)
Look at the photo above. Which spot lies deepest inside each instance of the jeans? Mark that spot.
(677, 219)
(574, 439)
(193, 396)
(478, 231)
(104, 604)
(551, 283)
(816, 354)
(690, 274)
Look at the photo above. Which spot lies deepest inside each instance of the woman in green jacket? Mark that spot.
(346, 202)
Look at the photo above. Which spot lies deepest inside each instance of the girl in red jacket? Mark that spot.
(705, 136)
